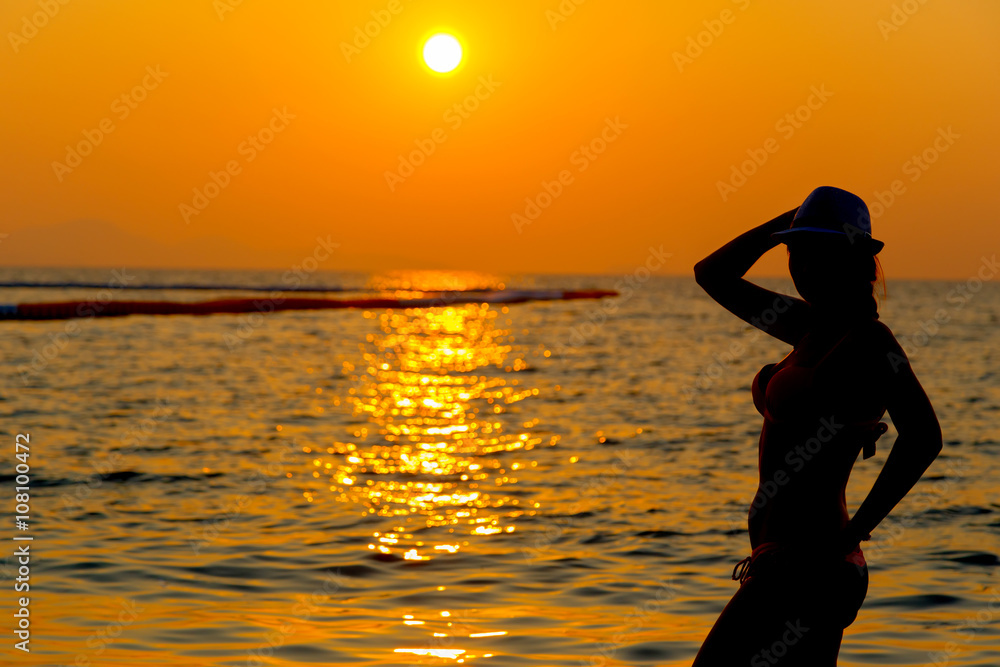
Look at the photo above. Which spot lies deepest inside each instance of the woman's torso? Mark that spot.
(817, 404)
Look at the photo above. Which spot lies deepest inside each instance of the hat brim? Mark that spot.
(861, 237)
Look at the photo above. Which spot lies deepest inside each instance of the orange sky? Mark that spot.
(677, 126)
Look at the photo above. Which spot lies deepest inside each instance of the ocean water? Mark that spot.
(547, 483)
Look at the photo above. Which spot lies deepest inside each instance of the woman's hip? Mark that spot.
(825, 587)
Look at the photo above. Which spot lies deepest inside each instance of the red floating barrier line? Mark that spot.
(79, 309)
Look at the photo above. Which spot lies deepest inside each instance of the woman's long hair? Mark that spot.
(866, 272)
(860, 273)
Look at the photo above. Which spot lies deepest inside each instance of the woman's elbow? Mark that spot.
(936, 443)
(702, 273)
(933, 436)
(927, 442)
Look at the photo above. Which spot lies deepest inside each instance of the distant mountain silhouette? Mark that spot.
(97, 243)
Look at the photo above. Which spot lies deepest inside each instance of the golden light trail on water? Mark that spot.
(436, 386)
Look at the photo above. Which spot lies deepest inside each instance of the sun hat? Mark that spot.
(829, 210)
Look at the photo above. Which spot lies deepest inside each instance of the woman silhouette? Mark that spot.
(806, 577)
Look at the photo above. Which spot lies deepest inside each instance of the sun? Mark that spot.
(442, 52)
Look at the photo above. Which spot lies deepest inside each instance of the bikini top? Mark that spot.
(791, 395)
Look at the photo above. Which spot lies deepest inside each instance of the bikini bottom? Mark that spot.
(821, 586)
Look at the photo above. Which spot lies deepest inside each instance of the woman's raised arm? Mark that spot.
(721, 276)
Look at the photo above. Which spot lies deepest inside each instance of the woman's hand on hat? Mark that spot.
(789, 216)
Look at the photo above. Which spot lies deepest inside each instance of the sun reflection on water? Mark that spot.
(438, 385)
(444, 440)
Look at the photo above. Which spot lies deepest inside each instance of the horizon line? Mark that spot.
(607, 273)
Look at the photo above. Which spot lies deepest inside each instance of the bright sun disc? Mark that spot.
(442, 53)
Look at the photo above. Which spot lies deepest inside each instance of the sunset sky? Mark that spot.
(675, 96)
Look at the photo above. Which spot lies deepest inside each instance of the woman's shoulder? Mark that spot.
(880, 335)
(881, 346)
(869, 333)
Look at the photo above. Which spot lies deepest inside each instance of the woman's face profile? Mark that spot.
(817, 265)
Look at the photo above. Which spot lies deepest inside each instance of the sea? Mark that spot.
(545, 483)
